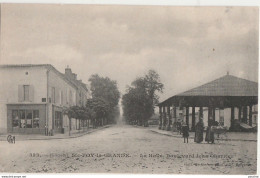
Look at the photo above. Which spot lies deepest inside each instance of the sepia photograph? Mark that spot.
(129, 89)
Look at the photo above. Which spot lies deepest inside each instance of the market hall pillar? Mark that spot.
(169, 118)
(187, 116)
(244, 120)
(164, 119)
(174, 118)
(213, 114)
(160, 119)
(250, 115)
(209, 113)
(232, 121)
(193, 119)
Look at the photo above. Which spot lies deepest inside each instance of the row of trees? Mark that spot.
(140, 98)
(102, 108)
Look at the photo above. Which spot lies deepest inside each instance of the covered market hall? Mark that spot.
(229, 100)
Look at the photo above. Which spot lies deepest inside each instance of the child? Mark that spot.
(185, 132)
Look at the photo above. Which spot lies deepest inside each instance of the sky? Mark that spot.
(187, 46)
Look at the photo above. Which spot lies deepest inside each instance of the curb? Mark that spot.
(76, 136)
(192, 137)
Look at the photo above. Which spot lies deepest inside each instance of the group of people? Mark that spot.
(199, 129)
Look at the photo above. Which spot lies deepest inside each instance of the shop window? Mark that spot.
(36, 119)
(22, 118)
(58, 120)
(29, 119)
(15, 118)
(25, 119)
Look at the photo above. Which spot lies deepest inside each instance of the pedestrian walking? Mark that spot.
(185, 132)
(199, 128)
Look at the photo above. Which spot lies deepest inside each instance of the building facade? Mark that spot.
(33, 97)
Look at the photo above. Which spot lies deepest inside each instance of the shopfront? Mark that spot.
(57, 119)
(26, 118)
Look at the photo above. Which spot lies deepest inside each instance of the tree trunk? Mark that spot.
(69, 125)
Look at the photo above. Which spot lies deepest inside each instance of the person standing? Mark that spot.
(185, 132)
(199, 131)
(209, 133)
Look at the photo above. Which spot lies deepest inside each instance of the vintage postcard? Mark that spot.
(130, 89)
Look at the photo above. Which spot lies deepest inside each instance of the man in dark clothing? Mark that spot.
(199, 128)
(185, 132)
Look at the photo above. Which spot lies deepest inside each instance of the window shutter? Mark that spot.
(57, 96)
(20, 93)
(31, 93)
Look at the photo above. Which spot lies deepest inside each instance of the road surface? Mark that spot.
(128, 149)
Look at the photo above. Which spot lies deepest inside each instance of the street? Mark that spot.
(128, 149)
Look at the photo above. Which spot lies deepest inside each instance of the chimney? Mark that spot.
(74, 76)
(68, 72)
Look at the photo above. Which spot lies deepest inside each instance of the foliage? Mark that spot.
(105, 88)
(105, 96)
(139, 100)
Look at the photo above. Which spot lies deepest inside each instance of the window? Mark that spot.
(36, 119)
(70, 97)
(22, 118)
(15, 118)
(61, 98)
(53, 95)
(26, 92)
(25, 119)
(29, 119)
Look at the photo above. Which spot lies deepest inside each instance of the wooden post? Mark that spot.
(250, 115)
(209, 113)
(174, 114)
(169, 118)
(239, 113)
(164, 119)
(160, 121)
(213, 114)
(244, 114)
(193, 119)
(187, 116)
(232, 121)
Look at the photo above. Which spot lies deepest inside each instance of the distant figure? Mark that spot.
(199, 131)
(185, 132)
(178, 125)
(209, 132)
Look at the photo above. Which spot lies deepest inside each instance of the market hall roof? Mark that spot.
(226, 86)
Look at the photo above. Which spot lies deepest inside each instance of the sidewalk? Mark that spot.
(229, 136)
(73, 134)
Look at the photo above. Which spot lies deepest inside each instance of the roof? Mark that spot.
(48, 66)
(227, 85)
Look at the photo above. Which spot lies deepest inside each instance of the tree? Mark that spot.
(140, 99)
(137, 106)
(151, 84)
(100, 109)
(71, 112)
(106, 90)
